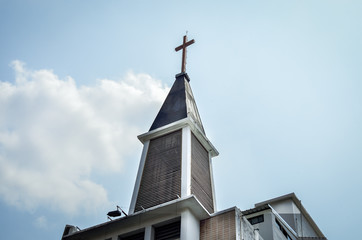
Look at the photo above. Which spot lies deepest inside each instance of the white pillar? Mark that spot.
(256, 232)
(212, 183)
(186, 162)
(190, 226)
(149, 233)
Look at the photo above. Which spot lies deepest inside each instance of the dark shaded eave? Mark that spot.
(256, 209)
(179, 104)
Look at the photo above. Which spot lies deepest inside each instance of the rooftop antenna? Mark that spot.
(122, 211)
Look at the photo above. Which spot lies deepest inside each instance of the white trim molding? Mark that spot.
(139, 177)
(186, 162)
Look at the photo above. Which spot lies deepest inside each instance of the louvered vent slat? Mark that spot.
(168, 232)
(219, 227)
(161, 178)
(200, 175)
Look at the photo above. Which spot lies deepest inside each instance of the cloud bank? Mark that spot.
(54, 135)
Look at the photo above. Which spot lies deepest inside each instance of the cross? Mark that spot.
(184, 45)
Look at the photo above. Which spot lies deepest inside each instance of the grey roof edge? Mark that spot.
(224, 211)
(277, 199)
(256, 209)
(299, 204)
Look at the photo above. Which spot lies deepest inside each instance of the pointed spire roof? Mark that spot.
(179, 104)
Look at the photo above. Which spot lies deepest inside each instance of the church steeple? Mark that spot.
(176, 157)
(179, 104)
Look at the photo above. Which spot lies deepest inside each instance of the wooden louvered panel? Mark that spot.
(168, 232)
(219, 227)
(161, 178)
(200, 175)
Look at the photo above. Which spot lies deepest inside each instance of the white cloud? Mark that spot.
(54, 135)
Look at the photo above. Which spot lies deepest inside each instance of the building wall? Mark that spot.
(247, 231)
(287, 210)
(269, 229)
(265, 227)
(161, 177)
(290, 212)
(221, 226)
(304, 229)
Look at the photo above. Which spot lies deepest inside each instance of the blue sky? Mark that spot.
(277, 83)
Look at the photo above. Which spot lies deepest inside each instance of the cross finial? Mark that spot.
(183, 46)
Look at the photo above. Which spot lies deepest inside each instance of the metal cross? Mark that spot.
(184, 45)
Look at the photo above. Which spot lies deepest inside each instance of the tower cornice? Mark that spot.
(188, 121)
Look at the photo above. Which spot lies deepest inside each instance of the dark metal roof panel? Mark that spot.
(174, 107)
(179, 104)
(200, 174)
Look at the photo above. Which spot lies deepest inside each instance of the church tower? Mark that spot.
(176, 156)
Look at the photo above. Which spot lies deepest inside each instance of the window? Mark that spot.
(168, 232)
(256, 219)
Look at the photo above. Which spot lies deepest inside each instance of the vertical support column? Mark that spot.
(149, 233)
(257, 235)
(139, 177)
(239, 225)
(186, 162)
(190, 226)
(212, 183)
